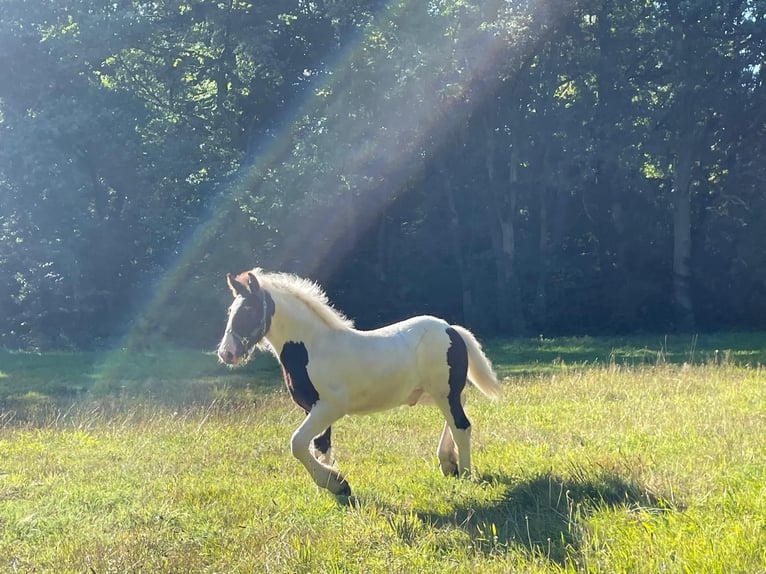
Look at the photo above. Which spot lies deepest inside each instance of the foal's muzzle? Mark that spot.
(232, 349)
(227, 357)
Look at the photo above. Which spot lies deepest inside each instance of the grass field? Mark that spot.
(603, 455)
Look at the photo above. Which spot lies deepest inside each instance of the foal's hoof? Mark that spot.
(448, 469)
(343, 488)
(338, 486)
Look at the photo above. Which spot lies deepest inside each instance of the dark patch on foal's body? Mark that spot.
(295, 358)
(457, 359)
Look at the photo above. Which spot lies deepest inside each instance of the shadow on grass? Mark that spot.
(545, 515)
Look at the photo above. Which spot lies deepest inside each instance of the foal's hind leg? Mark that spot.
(459, 427)
(451, 406)
(447, 452)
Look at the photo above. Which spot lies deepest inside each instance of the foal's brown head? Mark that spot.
(249, 318)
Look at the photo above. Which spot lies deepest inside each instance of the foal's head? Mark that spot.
(249, 318)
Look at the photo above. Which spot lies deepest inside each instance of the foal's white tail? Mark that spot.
(480, 371)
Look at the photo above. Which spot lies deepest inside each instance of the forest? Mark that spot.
(536, 167)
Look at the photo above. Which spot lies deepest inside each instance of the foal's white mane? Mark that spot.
(306, 291)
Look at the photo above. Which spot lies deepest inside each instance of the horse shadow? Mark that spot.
(545, 514)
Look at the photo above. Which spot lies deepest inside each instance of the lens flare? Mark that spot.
(442, 77)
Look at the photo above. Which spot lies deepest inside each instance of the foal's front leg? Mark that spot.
(323, 447)
(319, 418)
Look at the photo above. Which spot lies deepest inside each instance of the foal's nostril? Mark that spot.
(226, 356)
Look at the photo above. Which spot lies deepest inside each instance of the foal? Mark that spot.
(332, 369)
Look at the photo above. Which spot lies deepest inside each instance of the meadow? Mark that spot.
(643, 454)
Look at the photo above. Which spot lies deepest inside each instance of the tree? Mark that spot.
(543, 167)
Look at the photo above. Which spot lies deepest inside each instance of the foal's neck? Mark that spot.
(293, 320)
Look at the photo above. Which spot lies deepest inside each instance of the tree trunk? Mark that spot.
(541, 293)
(469, 312)
(682, 242)
(502, 203)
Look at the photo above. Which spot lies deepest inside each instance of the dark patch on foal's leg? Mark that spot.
(323, 442)
(295, 358)
(457, 359)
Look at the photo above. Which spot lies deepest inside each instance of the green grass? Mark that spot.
(169, 376)
(598, 458)
(527, 356)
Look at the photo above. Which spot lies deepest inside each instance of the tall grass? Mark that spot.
(606, 465)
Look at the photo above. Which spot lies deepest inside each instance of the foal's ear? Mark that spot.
(252, 283)
(236, 287)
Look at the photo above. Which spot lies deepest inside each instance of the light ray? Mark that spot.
(463, 71)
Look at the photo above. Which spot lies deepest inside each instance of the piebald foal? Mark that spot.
(332, 369)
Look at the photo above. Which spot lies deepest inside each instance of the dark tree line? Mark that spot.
(565, 166)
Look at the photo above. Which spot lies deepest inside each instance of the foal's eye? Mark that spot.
(246, 316)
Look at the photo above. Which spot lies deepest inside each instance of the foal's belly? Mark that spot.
(381, 395)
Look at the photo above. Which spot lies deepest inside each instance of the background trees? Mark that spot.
(523, 167)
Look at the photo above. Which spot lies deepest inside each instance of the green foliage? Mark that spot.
(566, 167)
(606, 467)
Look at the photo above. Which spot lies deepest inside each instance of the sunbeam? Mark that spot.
(450, 76)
